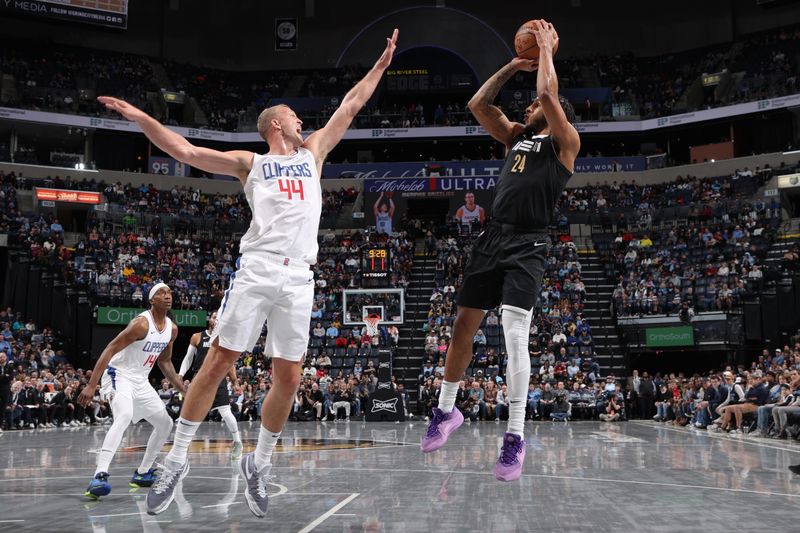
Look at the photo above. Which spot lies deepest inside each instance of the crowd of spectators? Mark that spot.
(706, 264)
(67, 79)
(39, 386)
(703, 198)
(762, 399)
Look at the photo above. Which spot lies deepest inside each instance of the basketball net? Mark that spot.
(372, 322)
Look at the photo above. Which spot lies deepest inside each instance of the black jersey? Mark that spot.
(202, 351)
(530, 183)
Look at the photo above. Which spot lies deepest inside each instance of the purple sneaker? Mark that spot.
(442, 425)
(512, 455)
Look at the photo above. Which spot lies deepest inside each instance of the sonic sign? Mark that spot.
(63, 195)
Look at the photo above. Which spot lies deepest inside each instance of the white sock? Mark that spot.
(266, 445)
(122, 420)
(230, 421)
(162, 426)
(447, 395)
(184, 434)
(104, 460)
(516, 330)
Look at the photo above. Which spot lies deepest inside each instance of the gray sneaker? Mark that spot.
(256, 493)
(162, 492)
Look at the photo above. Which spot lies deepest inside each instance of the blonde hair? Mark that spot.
(266, 117)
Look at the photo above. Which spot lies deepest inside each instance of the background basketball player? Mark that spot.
(384, 212)
(273, 280)
(124, 367)
(470, 212)
(196, 353)
(508, 259)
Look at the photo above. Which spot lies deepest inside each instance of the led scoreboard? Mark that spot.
(375, 264)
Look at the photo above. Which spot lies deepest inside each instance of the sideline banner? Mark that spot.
(120, 316)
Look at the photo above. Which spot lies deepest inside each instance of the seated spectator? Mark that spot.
(561, 409)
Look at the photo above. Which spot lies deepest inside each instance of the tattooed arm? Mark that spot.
(490, 116)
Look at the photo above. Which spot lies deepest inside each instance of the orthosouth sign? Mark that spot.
(666, 337)
(120, 316)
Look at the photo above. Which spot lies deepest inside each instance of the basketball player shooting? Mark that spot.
(124, 367)
(196, 353)
(273, 280)
(508, 259)
(384, 212)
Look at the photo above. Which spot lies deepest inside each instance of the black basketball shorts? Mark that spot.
(504, 267)
(222, 397)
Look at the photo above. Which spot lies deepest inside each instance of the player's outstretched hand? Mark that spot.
(386, 58)
(546, 36)
(122, 107)
(528, 65)
(86, 396)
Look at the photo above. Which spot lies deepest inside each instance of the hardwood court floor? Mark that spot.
(634, 476)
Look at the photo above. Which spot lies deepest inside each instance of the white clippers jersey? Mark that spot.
(285, 197)
(383, 223)
(468, 216)
(136, 360)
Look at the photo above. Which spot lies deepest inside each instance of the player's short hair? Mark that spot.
(569, 111)
(266, 117)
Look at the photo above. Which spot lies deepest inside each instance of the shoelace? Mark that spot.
(508, 453)
(164, 481)
(433, 429)
(261, 486)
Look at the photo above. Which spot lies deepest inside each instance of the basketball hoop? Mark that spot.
(372, 322)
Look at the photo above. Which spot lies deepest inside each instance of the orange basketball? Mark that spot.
(525, 42)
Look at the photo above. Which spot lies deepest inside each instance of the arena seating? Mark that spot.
(67, 79)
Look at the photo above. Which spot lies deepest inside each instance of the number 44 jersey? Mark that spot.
(285, 198)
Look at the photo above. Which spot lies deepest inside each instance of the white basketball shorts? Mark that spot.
(125, 395)
(272, 288)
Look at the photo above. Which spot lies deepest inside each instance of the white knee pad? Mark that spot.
(516, 330)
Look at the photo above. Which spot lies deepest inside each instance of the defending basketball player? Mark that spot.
(273, 280)
(196, 353)
(508, 259)
(124, 367)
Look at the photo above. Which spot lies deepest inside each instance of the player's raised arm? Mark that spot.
(490, 116)
(233, 163)
(322, 142)
(377, 206)
(166, 366)
(564, 134)
(136, 330)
